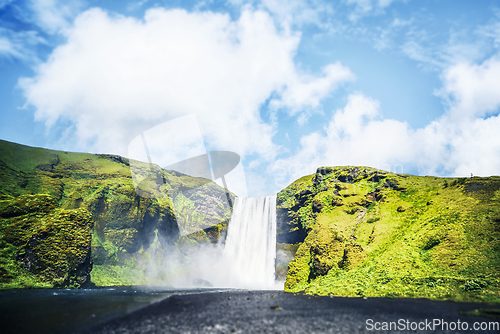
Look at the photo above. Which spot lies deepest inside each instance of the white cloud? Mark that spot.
(117, 76)
(304, 91)
(361, 5)
(414, 50)
(293, 12)
(8, 49)
(355, 135)
(19, 45)
(367, 7)
(54, 16)
(349, 121)
(477, 148)
(438, 51)
(474, 89)
(451, 145)
(491, 31)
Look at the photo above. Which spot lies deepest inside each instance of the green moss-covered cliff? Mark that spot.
(66, 215)
(359, 231)
(42, 245)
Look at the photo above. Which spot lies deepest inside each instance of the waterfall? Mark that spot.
(251, 242)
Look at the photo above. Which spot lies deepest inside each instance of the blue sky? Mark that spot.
(290, 85)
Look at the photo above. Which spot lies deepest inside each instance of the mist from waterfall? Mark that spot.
(244, 259)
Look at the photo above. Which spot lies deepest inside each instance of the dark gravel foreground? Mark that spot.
(279, 312)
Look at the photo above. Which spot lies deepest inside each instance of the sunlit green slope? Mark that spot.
(63, 215)
(374, 233)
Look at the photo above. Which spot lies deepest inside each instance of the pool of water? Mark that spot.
(70, 310)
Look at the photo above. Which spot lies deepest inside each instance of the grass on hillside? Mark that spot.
(433, 237)
(129, 205)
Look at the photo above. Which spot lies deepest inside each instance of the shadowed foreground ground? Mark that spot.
(279, 312)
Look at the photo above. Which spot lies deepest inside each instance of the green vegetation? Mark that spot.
(351, 231)
(373, 233)
(52, 244)
(64, 215)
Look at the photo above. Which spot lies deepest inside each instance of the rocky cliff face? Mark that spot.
(359, 231)
(93, 197)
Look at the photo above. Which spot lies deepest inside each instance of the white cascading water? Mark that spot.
(251, 243)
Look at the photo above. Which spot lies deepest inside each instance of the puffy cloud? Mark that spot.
(351, 120)
(307, 91)
(474, 90)
(462, 141)
(476, 149)
(116, 76)
(357, 135)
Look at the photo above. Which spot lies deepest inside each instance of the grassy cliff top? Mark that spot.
(369, 232)
(132, 206)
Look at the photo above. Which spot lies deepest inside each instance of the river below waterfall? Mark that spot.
(161, 310)
(247, 260)
(71, 310)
